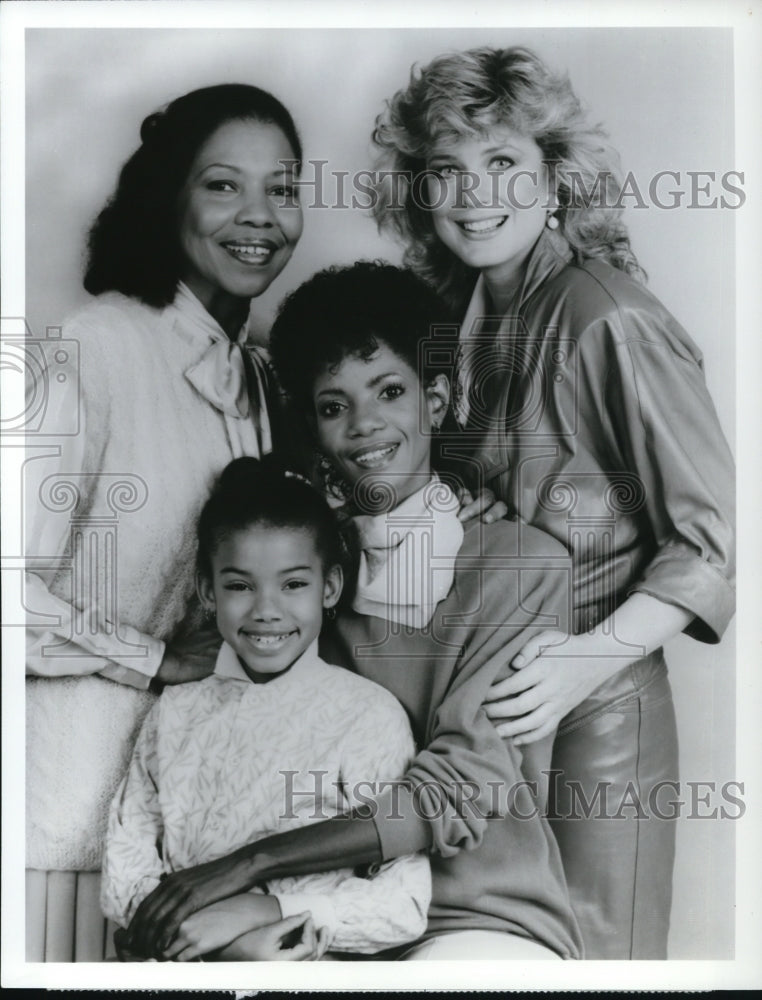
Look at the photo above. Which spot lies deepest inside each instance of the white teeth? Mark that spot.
(248, 250)
(482, 227)
(373, 456)
(267, 640)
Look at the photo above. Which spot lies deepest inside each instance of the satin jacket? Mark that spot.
(588, 414)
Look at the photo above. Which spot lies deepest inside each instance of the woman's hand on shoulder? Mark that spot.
(484, 506)
(174, 669)
(554, 672)
(191, 659)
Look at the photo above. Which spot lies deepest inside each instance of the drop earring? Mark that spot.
(551, 222)
(331, 482)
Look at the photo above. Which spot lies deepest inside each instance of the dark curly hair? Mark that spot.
(248, 492)
(133, 246)
(345, 312)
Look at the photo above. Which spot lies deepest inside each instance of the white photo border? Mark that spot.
(745, 19)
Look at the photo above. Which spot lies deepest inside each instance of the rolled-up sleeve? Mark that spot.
(669, 431)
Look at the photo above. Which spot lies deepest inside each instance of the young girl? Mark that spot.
(439, 609)
(273, 740)
(202, 220)
(582, 403)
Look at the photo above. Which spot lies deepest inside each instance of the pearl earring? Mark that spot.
(552, 221)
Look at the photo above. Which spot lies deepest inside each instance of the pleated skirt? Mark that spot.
(64, 922)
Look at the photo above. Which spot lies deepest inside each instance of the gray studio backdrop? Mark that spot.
(666, 97)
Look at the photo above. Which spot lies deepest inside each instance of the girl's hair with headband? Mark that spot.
(262, 492)
(468, 94)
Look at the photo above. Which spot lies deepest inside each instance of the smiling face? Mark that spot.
(268, 591)
(494, 195)
(374, 421)
(239, 216)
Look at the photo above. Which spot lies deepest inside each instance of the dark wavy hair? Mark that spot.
(253, 492)
(345, 312)
(133, 246)
(466, 94)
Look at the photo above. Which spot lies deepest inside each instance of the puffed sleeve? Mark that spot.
(132, 863)
(367, 912)
(52, 620)
(667, 430)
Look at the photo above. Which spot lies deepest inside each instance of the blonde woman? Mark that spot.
(582, 403)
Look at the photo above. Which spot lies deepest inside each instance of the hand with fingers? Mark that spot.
(554, 672)
(176, 669)
(158, 918)
(220, 924)
(190, 655)
(484, 506)
(123, 951)
(295, 939)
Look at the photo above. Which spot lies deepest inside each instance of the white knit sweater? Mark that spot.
(224, 762)
(143, 425)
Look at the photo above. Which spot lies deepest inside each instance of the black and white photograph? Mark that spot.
(379, 453)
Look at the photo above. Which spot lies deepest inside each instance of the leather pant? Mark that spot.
(609, 756)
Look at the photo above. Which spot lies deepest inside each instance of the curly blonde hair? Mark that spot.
(470, 93)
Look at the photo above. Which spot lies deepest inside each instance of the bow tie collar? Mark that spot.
(220, 377)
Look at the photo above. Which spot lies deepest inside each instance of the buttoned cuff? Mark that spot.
(136, 671)
(400, 827)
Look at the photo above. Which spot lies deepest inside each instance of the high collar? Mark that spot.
(228, 666)
(196, 320)
(550, 254)
(412, 509)
(407, 558)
